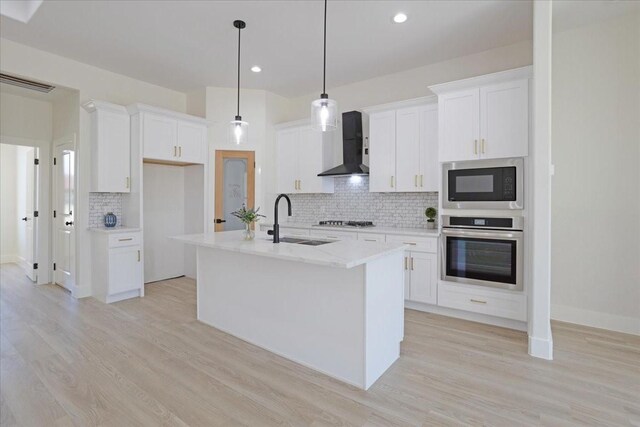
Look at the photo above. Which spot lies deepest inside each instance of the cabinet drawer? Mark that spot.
(499, 304)
(334, 235)
(417, 243)
(124, 239)
(286, 231)
(371, 237)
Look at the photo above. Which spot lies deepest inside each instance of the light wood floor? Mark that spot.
(149, 362)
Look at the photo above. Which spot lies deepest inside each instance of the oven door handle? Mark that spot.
(487, 234)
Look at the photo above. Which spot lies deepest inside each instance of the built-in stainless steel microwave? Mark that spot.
(483, 184)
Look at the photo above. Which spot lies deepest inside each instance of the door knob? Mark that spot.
(68, 223)
(25, 218)
(220, 221)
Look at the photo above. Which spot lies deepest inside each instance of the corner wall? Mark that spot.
(596, 187)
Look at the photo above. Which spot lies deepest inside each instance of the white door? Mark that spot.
(408, 149)
(424, 279)
(429, 166)
(64, 206)
(459, 125)
(382, 151)
(160, 140)
(192, 142)
(28, 251)
(288, 142)
(504, 120)
(125, 269)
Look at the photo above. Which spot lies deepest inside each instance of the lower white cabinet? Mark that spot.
(333, 235)
(421, 277)
(117, 266)
(298, 232)
(507, 304)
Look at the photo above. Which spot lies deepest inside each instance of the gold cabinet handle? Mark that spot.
(369, 240)
(138, 255)
(482, 146)
(406, 259)
(477, 301)
(421, 183)
(125, 240)
(180, 151)
(410, 243)
(391, 181)
(411, 263)
(415, 180)
(299, 184)
(475, 146)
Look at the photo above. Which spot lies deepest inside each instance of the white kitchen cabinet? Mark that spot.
(170, 137)
(333, 235)
(486, 117)
(117, 270)
(301, 154)
(423, 277)
(372, 237)
(504, 120)
(382, 151)
(110, 147)
(403, 149)
(192, 142)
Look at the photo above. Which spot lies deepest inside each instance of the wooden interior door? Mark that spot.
(235, 186)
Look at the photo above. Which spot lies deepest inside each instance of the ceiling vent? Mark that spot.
(24, 83)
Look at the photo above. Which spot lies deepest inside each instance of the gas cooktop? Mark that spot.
(334, 223)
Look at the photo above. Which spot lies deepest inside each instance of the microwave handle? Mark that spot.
(495, 234)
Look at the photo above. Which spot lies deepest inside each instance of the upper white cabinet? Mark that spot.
(403, 146)
(301, 154)
(170, 137)
(486, 117)
(110, 147)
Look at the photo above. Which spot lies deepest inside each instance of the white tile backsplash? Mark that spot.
(102, 203)
(353, 201)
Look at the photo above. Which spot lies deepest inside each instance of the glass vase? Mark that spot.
(249, 234)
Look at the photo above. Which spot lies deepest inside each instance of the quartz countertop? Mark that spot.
(422, 232)
(341, 254)
(114, 229)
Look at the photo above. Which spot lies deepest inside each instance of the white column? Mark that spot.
(540, 339)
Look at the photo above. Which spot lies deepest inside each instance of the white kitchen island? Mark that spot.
(336, 308)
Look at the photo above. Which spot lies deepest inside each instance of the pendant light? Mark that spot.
(324, 111)
(238, 129)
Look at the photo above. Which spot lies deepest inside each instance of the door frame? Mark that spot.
(68, 139)
(43, 234)
(251, 180)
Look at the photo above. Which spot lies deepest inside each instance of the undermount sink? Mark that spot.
(308, 242)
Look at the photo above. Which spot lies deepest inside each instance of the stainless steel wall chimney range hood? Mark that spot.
(352, 147)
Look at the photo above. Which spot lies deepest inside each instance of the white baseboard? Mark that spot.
(541, 348)
(596, 319)
(466, 315)
(81, 292)
(9, 259)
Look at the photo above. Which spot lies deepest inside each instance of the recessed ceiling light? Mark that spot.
(256, 69)
(399, 18)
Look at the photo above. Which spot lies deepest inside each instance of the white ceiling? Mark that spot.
(190, 44)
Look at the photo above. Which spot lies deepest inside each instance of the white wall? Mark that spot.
(91, 83)
(596, 187)
(24, 117)
(8, 209)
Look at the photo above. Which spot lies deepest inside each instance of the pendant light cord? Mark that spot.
(324, 64)
(239, 31)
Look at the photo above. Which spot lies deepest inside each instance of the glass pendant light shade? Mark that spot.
(238, 131)
(324, 114)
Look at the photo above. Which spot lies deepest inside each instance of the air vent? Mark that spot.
(24, 83)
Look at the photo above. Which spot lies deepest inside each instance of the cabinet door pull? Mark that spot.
(415, 180)
(421, 183)
(482, 146)
(369, 240)
(299, 184)
(477, 301)
(138, 255)
(405, 263)
(391, 181)
(410, 243)
(180, 151)
(175, 151)
(475, 146)
(411, 263)
(125, 240)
